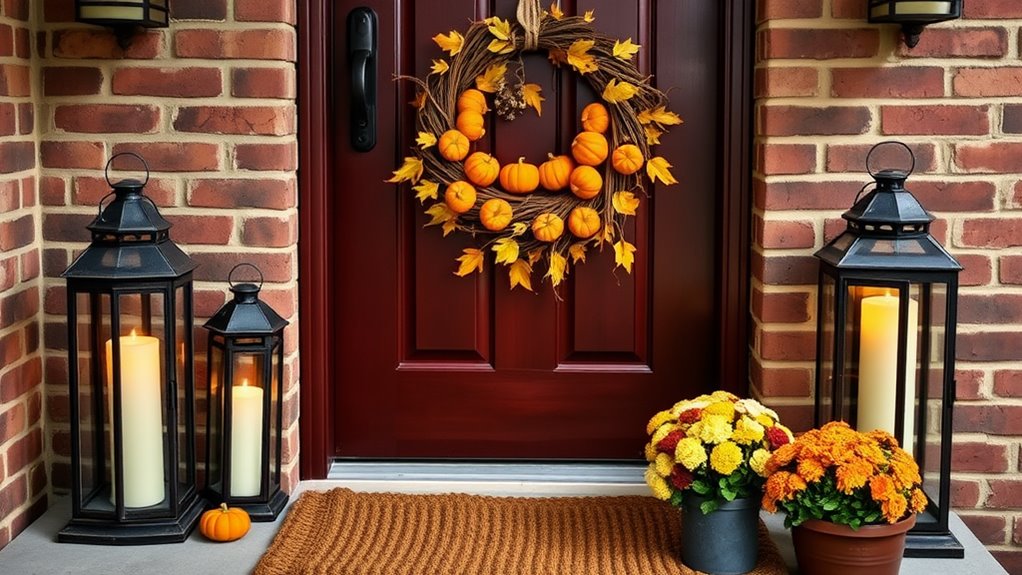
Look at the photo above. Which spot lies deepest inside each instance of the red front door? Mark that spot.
(427, 364)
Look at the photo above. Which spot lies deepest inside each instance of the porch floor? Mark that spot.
(36, 552)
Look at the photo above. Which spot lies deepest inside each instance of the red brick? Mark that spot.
(992, 232)
(169, 82)
(254, 193)
(788, 345)
(985, 82)
(89, 191)
(66, 227)
(1004, 494)
(17, 233)
(964, 493)
(806, 195)
(26, 118)
(199, 10)
(1010, 270)
(995, 9)
(811, 121)
(1016, 534)
(1011, 121)
(13, 496)
(55, 261)
(6, 40)
(786, 159)
(992, 419)
(785, 270)
(968, 384)
(215, 266)
(954, 196)
(787, 82)
(266, 11)
(8, 276)
(818, 43)
(272, 44)
(10, 199)
(778, 234)
(900, 82)
(69, 155)
(25, 450)
(16, 156)
(23, 43)
(15, 80)
(72, 80)
(1010, 560)
(263, 83)
(981, 309)
(852, 158)
(978, 269)
(214, 230)
(269, 232)
(780, 307)
(989, 529)
(11, 349)
(17, 9)
(176, 156)
(283, 301)
(990, 346)
(271, 157)
(13, 422)
(779, 10)
(979, 457)
(935, 120)
(21, 379)
(90, 43)
(8, 119)
(107, 118)
(250, 120)
(940, 42)
(30, 265)
(781, 381)
(990, 157)
(1008, 383)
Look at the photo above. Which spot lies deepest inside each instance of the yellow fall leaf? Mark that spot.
(450, 225)
(580, 58)
(652, 135)
(440, 214)
(535, 254)
(501, 46)
(625, 50)
(659, 168)
(589, 16)
(451, 42)
(556, 12)
(439, 67)
(492, 78)
(661, 115)
(503, 42)
(616, 91)
(521, 274)
(507, 251)
(410, 170)
(577, 251)
(426, 190)
(530, 92)
(607, 235)
(519, 228)
(624, 255)
(425, 140)
(471, 261)
(420, 101)
(558, 268)
(625, 203)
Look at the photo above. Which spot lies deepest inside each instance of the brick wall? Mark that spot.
(210, 104)
(828, 86)
(23, 485)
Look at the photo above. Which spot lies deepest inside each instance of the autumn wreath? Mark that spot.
(556, 210)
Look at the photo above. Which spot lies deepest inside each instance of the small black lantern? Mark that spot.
(245, 384)
(132, 404)
(124, 16)
(886, 321)
(913, 15)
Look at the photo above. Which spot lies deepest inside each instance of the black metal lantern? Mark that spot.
(124, 16)
(913, 15)
(132, 404)
(245, 384)
(886, 327)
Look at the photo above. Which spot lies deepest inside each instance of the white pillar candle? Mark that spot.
(246, 439)
(878, 366)
(141, 419)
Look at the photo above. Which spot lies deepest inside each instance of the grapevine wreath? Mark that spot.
(552, 212)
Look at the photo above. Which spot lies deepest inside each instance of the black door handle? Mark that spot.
(362, 59)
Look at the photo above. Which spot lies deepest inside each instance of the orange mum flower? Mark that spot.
(881, 488)
(919, 500)
(853, 475)
(894, 508)
(811, 470)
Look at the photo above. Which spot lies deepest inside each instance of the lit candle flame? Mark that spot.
(244, 382)
(133, 336)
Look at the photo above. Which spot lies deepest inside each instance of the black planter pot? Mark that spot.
(725, 542)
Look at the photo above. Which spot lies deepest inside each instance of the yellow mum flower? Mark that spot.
(758, 461)
(747, 431)
(726, 457)
(721, 395)
(664, 464)
(661, 432)
(657, 484)
(764, 420)
(722, 408)
(695, 430)
(715, 429)
(690, 453)
(658, 420)
(651, 452)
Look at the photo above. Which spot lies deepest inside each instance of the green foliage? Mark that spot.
(822, 500)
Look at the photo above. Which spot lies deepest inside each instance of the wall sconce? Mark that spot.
(913, 15)
(124, 16)
(888, 299)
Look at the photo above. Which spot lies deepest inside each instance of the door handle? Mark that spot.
(362, 59)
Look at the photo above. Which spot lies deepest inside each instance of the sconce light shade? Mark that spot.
(913, 15)
(124, 15)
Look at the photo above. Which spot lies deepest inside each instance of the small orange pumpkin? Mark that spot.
(520, 177)
(627, 159)
(460, 196)
(586, 182)
(224, 524)
(589, 148)
(554, 173)
(472, 124)
(453, 145)
(547, 227)
(495, 214)
(583, 222)
(481, 169)
(595, 118)
(474, 100)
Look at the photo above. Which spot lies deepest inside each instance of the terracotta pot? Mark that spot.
(824, 548)
(725, 542)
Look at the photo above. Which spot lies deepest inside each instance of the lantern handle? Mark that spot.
(106, 170)
(230, 282)
(103, 199)
(912, 156)
(862, 189)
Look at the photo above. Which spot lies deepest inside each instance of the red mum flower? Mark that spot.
(777, 437)
(681, 477)
(690, 415)
(670, 441)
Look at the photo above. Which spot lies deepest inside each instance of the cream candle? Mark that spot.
(246, 439)
(878, 366)
(141, 419)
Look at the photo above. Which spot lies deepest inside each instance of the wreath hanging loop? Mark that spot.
(529, 16)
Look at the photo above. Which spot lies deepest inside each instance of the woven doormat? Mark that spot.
(340, 532)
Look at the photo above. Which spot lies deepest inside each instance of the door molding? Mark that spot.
(317, 314)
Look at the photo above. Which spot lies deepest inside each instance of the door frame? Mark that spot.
(315, 232)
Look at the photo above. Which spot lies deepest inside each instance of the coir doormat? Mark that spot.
(340, 532)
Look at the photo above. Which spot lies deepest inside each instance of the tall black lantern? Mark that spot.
(913, 15)
(885, 355)
(129, 318)
(245, 383)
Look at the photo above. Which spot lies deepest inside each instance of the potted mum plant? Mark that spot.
(708, 456)
(843, 490)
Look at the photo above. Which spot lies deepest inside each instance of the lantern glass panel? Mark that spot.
(825, 376)
(246, 421)
(214, 428)
(92, 412)
(185, 428)
(932, 430)
(275, 385)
